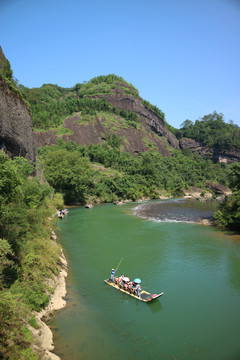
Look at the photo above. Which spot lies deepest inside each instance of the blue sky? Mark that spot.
(182, 55)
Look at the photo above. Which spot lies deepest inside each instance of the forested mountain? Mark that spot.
(87, 113)
(211, 137)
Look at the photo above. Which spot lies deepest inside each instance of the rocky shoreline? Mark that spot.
(43, 335)
(208, 222)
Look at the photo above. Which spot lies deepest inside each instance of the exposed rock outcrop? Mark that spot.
(147, 116)
(16, 135)
(195, 192)
(230, 157)
(150, 131)
(186, 143)
(212, 153)
(219, 189)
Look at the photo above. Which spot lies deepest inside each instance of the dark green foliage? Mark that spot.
(33, 322)
(34, 193)
(50, 104)
(6, 77)
(10, 180)
(109, 79)
(234, 176)
(212, 131)
(6, 70)
(15, 338)
(155, 109)
(6, 262)
(114, 141)
(69, 173)
(35, 298)
(114, 81)
(144, 175)
(228, 214)
(27, 255)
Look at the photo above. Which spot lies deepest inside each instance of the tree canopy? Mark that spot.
(213, 132)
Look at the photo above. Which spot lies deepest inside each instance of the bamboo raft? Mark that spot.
(145, 296)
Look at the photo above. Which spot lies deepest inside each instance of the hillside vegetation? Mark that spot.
(70, 169)
(27, 255)
(99, 171)
(50, 104)
(228, 215)
(212, 131)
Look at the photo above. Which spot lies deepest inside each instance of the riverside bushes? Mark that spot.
(27, 255)
(228, 214)
(75, 171)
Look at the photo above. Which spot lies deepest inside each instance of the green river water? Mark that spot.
(197, 267)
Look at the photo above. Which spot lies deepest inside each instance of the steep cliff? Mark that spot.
(16, 135)
(148, 117)
(88, 113)
(214, 154)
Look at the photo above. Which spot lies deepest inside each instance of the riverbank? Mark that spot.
(182, 259)
(43, 335)
(208, 222)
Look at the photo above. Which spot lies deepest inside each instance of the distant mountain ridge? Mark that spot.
(87, 113)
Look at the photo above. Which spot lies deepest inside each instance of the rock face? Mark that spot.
(16, 135)
(147, 116)
(230, 157)
(150, 132)
(213, 154)
(186, 143)
(219, 189)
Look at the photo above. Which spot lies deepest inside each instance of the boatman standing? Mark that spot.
(112, 274)
(138, 288)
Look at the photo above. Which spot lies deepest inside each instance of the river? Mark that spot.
(197, 267)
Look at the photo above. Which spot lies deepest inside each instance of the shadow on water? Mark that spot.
(155, 307)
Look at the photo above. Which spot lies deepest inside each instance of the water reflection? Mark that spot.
(234, 270)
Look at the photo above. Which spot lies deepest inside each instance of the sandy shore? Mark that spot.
(43, 333)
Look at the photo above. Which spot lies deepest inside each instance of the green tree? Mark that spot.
(7, 71)
(228, 214)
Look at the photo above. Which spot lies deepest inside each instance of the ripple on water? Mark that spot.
(175, 210)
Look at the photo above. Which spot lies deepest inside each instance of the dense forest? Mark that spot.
(27, 255)
(103, 173)
(75, 171)
(228, 215)
(51, 104)
(212, 131)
